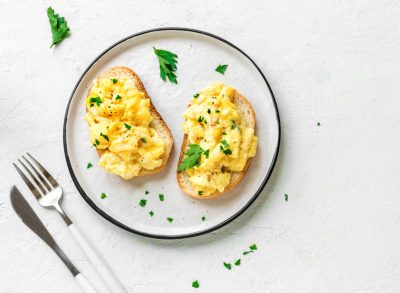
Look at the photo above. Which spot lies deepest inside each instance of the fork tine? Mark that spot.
(52, 181)
(38, 174)
(32, 187)
(33, 177)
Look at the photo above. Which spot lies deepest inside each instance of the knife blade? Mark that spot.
(29, 217)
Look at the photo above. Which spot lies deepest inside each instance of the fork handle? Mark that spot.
(85, 285)
(97, 261)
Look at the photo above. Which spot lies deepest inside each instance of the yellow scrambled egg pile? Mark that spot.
(213, 122)
(119, 120)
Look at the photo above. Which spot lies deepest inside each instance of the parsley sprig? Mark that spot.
(59, 27)
(192, 156)
(168, 63)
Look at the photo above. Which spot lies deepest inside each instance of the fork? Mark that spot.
(48, 194)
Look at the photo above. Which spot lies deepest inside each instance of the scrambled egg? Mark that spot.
(213, 122)
(119, 120)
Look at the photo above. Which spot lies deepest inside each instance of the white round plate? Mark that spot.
(199, 53)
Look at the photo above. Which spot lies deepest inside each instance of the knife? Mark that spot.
(28, 216)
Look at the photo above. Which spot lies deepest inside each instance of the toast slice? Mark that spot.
(249, 117)
(120, 72)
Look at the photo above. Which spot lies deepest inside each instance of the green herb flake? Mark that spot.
(207, 153)
(170, 220)
(167, 61)
(237, 263)
(161, 197)
(203, 218)
(195, 284)
(143, 140)
(143, 203)
(196, 95)
(103, 195)
(96, 100)
(253, 247)
(208, 111)
(318, 124)
(191, 159)
(151, 213)
(146, 192)
(217, 111)
(247, 252)
(105, 136)
(233, 126)
(96, 141)
(286, 197)
(221, 68)
(114, 80)
(118, 97)
(200, 119)
(59, 27)
(225, 143)
(227, 265)
(227, 152)
(127, 126)
(200, 192)
(89, 165)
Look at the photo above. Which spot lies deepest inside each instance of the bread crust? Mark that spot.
(249, 116)
(158, 122)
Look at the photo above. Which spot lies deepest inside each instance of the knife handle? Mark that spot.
(97, 261)
(85, 285)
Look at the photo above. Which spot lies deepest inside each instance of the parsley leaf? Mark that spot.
(161, 197)
(203, 218)
(227, 152)
(96, 142)
(105, 136)
(103, 195)
(151, 213)
(59, 27)
(142, 203)
(200, 119)
(208, 111)
(286, 197)
(114, 80)
(207, 153)
(225, 143)
(227, 265)
(170, 220)
(195, 284)
(192, 156)
(253, 247)
(237, 263)
(318, 124)
(118, 97)
(143, 139)
(221, 68)
(247, 252)
(127, 126)
(89, 165)
(146, 192)
(168, 63)
(200, 192)
(96, 100)
(196, 95)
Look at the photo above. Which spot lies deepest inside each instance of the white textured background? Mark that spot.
(336, 62)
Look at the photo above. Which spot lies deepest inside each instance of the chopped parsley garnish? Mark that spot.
(225, 143)
(247, 252)
(103, 195)
(105, 136)
(195, 284)
(253, 247)
(196, 95)
(161, 197)
(96, 141)
(200, 119)
(96, 100)
(143, 139)
(209, 111)
(143, 203)
(59, 27)
(89, 165)
(170, 220)
(191, 159)
(118, 97)
(217, 111)
(221, 68)
(200, 192)
(318, 124)
(207, 153)
(146, 192)
(151, 213)
(227, 152)
(127, 126)
(237, 263)
(114, 80)
(286, 197)
(203, 218)
(233, 126)
(91, 105)
(168, 63)
(227, 265)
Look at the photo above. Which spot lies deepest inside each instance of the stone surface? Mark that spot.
(333, 62)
